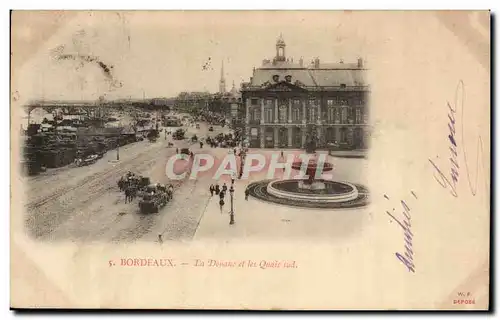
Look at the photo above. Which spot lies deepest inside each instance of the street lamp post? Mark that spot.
(231, 193)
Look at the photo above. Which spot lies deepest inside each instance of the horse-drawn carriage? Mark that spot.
(153, 135)
(154, 197)
(133, 180)
(179, 134)
(194, 138)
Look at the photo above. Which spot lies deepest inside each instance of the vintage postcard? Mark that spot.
(253, 160)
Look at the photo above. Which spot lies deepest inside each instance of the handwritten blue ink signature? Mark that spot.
(454, 174)
(405, 224)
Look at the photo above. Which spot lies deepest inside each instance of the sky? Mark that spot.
(159, 54)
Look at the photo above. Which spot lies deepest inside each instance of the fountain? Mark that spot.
(311, 192)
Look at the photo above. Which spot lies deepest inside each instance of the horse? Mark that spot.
(162, 187)
(121, 184)
(169, 194)
(130, 194)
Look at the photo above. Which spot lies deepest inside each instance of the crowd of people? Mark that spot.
(219, 191)
(223, 141)
(235, 144)
(212, 118)
(222, 191)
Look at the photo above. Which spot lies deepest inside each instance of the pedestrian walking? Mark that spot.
(224, 187)
(221, 204)
(212, 190)
(201, 145)
(282, 153)
(177, 150)
(217, 189)
(247, 193)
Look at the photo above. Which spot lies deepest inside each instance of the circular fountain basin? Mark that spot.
(259, 190)
(320, 191)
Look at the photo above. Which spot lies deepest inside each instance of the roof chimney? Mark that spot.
(360, 63)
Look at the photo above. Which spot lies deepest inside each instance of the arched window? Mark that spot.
(296, 114)
(330, 134)
(282, 114)
(344, 115)
(313, 109)
(269, 115)
(256, 114)
(337, 115)
(358, 115)
(343, 135)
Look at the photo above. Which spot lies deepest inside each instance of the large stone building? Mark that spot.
(285, 102)
(229, 105)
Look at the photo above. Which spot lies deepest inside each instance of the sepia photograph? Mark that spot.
(250, 160)
(273, 141)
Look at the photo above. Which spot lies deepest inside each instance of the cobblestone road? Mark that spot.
(84, 204)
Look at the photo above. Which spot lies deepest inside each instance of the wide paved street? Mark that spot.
(84, 204)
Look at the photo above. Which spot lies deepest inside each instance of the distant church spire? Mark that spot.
(222, 82)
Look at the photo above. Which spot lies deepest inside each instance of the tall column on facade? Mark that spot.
(247, 118)
(276, 137)
(262, 115)
(290, 137)
(262, 137)
(304, 115)
(289, 110)
(350, 136)
(247, 114)
(276, 110)
(319, 112)
(303, 137)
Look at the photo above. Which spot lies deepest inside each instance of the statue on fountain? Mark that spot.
(310, 148)
(311, 141)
